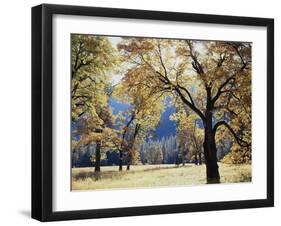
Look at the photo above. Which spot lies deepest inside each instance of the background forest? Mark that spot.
(153, 112)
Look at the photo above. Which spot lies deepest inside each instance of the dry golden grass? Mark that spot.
(154, 176)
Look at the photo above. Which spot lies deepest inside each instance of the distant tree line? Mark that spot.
(167, 150)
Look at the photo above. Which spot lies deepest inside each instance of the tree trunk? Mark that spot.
(129, 159)
(120, 160)
(200, 158)
(196, 158)
(210, 151)
(98, 155)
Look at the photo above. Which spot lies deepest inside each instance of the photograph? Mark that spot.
(159, 112)
(145, 112)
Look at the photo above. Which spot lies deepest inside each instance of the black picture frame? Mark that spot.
(42, 84)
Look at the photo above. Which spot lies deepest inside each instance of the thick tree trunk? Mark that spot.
(120, 160)
(210, 152)
(98, 155)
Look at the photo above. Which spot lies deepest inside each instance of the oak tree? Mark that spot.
(212, 78)
(92, 63)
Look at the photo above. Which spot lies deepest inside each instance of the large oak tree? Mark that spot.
(211, 78)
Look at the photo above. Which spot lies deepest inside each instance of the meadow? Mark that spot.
(141, 176)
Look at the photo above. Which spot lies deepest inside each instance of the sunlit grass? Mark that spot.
(154, 176)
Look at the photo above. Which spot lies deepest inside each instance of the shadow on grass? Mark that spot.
(165, 168)
(116, 174)
(94, 175)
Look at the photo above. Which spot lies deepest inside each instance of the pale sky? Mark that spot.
(114, 41)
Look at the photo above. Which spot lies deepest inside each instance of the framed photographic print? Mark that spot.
(146, 112)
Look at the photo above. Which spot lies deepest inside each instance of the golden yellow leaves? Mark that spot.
(238, 155)
(199, 76)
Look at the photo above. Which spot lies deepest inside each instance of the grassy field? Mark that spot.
(154, 176)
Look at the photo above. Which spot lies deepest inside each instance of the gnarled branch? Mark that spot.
(240, 141)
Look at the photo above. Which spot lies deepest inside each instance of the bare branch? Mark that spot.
(161, 61)
(195, 64)
(232, 77)
(187, 92)
(188, 103)
(240, 141)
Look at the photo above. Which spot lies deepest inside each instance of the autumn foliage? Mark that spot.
(207, 82)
